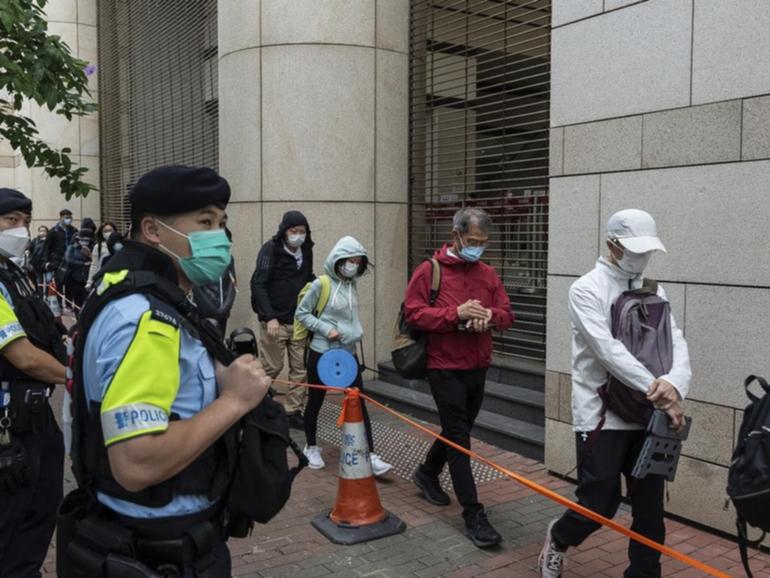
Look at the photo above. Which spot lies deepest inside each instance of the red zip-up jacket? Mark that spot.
(447, 347)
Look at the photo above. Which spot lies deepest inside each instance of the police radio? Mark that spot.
(243, 342)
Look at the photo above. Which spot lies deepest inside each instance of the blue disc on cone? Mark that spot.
(337, 368)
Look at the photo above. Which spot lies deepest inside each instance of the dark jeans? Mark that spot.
(27, 518)
(458, 396)
(614, 453)
(315, 398)
(76, 292)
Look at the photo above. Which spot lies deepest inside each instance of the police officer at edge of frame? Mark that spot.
(31, 445)
(158, 403)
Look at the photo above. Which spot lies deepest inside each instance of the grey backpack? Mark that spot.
(641, 320)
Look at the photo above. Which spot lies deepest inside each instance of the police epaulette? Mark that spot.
(163, 312)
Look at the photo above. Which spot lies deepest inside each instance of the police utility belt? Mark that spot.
(24, 406)
(108, 545)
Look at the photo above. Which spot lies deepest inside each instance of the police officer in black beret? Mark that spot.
(31, 362)
(150, 403)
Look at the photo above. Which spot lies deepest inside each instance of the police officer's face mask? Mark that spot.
(13, 242)
(209, 255)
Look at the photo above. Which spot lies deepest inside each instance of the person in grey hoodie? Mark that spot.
(337, 326)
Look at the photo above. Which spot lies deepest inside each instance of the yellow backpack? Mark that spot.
(300, 332)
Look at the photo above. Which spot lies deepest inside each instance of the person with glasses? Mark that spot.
(471, 303)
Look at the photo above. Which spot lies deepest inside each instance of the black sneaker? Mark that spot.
(481, 532)
(430, 488)
(296, 421)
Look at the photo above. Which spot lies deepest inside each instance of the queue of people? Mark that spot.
(154, 396)
(68, 258)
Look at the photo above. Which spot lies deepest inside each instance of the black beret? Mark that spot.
(178, 189)
(12, 200)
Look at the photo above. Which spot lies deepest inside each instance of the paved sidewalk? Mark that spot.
(434, 543)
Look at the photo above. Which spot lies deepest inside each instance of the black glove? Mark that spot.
(14, 467)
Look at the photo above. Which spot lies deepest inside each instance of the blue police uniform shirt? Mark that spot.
(107, 343)
(10, 328)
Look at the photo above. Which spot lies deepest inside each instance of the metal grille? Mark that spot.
(479, 119)
(158, 92)
(403, 450)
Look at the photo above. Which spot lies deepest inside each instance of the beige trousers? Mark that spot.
(272, 351)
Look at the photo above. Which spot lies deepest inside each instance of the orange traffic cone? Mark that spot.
(52, 300)
(358, 515)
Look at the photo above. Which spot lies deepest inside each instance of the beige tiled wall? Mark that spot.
(75, 22)
(641, 120)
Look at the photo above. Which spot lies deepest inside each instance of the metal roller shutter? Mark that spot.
(157, 92)
(479, 120)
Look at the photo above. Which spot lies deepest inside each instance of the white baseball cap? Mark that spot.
(635, 230)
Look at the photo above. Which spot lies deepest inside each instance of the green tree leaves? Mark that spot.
(40, 67)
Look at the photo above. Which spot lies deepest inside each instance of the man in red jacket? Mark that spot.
(471, 302)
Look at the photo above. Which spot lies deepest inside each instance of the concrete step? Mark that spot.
(515, 402)
(512, 434)
(519, 374)
(520, 403)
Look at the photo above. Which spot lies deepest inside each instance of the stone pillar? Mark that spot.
(75, 22)
(313, 108)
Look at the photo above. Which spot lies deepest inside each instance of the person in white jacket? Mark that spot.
(100, 251)
(632, 238)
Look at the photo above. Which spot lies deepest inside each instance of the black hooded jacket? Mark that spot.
(59, 238)
(277, 281)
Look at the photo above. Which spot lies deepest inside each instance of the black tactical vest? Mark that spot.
(35, 318)
(152, 274)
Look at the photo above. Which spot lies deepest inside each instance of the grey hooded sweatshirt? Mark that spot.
(341, 311)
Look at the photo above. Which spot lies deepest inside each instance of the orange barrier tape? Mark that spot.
(52, 287)
(550, 494)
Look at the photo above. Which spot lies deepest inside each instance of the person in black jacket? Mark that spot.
(284, 267)
(77, 260)
(59, 238)
(36, 257)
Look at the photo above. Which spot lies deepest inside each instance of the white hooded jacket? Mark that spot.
(595, 352)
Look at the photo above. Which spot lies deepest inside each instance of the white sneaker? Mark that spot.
(379, 467)
(313, 455)
(551, 561)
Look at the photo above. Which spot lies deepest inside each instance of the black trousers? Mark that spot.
(315, 398)
(614, 453)
(28, 517)
(76, 292)
(458, 396)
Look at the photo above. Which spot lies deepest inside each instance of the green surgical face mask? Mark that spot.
(210, 255)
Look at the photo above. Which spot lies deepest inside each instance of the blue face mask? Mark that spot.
(471, 254)
(210, 255)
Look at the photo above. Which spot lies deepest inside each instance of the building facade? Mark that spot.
(660, 105)
(379, 118)
(75, 22)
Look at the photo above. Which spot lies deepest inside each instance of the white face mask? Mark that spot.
(295, 241)
(13, 242)
(634, 263)
(349, 269)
